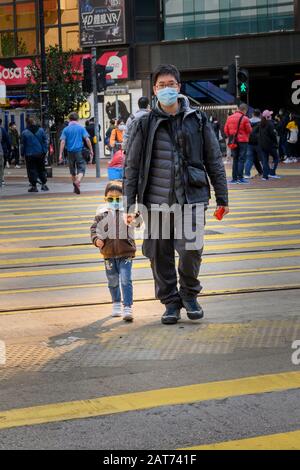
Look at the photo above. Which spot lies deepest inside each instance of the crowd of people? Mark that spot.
(260, 141)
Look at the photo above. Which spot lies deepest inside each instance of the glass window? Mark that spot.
(70, 38)
(7, 44)
(69, 16)
(6, 17)
(26, 42)
(25, 15)
(51, 37)
(50, 12)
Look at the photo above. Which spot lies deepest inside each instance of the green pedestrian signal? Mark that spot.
(243, 87)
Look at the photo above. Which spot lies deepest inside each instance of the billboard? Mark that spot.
(102, 22)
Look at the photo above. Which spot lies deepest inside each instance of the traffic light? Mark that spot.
(243, 82)
(230, 78)
(87, 85)
(102, 81)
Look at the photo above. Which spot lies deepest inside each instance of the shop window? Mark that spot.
(50, 12)
(26, 15)
(7, 44)
(70, 38)
(6, 17)
(51, 37)
(26, 42)
(70, 16)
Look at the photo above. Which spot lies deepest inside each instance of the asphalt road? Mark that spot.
(89, 372)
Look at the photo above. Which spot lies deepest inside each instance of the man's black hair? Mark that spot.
(143, 102)
(166, 69)
(257, 113)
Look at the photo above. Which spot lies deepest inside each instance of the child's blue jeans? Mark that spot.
(118, 273)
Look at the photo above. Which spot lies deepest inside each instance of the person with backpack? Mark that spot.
(171, 153)
(144, 108)
(293, 139)
(34, 149)
(254, 155)
(268, 142)
(238, 130)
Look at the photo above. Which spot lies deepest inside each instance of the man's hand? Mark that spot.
(100, 243)
(224, 209)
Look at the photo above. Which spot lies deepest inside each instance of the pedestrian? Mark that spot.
(281, 121)
(73, 137)
(115, 240)
(268, 142)
(116, 138)
(238, 126)
(144, 108)
(254, 154)
(112, 125)
(170, 154)
(293, 139)
(34, 149)
(15, 143)
(4, 144)
(6, 147)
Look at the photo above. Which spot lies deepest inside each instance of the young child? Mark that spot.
(116, 242)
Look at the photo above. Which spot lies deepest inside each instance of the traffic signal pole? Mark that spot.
(237, 67)
(96, 111)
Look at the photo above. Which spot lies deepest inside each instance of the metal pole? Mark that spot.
(117, 107)
(96, 111)
(237, 67)
(44, 88)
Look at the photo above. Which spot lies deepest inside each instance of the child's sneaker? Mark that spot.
(117, 310)
(127, 314)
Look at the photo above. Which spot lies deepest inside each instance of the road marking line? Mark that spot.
(223, 236)
(146, 265)
(93, 256)
(109, 405)
(245, 273)
(284, 441)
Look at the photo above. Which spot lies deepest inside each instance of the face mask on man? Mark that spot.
(167, 96)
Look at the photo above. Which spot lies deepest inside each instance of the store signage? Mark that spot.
(101, 22)
(14, 72)
(296, 93)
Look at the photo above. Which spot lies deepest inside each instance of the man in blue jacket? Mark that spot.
(34, 149)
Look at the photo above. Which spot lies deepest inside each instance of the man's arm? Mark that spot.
(214, 165)
(132, 163)
(61, 149)
(89, 144)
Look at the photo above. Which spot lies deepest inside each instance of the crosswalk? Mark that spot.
(49, 270)
(45, 244)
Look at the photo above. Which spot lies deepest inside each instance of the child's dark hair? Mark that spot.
(114, 186)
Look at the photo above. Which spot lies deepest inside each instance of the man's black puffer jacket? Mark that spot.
(201, 157)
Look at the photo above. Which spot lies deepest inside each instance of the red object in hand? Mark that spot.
(219, 213)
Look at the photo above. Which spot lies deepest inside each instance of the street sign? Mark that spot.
(117, 91)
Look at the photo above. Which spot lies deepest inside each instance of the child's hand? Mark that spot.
(99, 244)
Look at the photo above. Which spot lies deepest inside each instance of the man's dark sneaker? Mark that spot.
(33, 189)
(193, 309)
(44, 187)
(171, 316)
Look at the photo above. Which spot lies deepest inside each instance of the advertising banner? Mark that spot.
(102, 22)
(13, 72)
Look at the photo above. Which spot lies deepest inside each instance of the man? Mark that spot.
(34, 148)
(14, 140)
(254, 154)
(4, 143)
(170, 152)
(239, 124)
(6, 148)
(73, 137)
(144, 108)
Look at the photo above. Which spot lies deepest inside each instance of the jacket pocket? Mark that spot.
(196, 177)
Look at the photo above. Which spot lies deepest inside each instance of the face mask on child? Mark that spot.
(115, 204)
